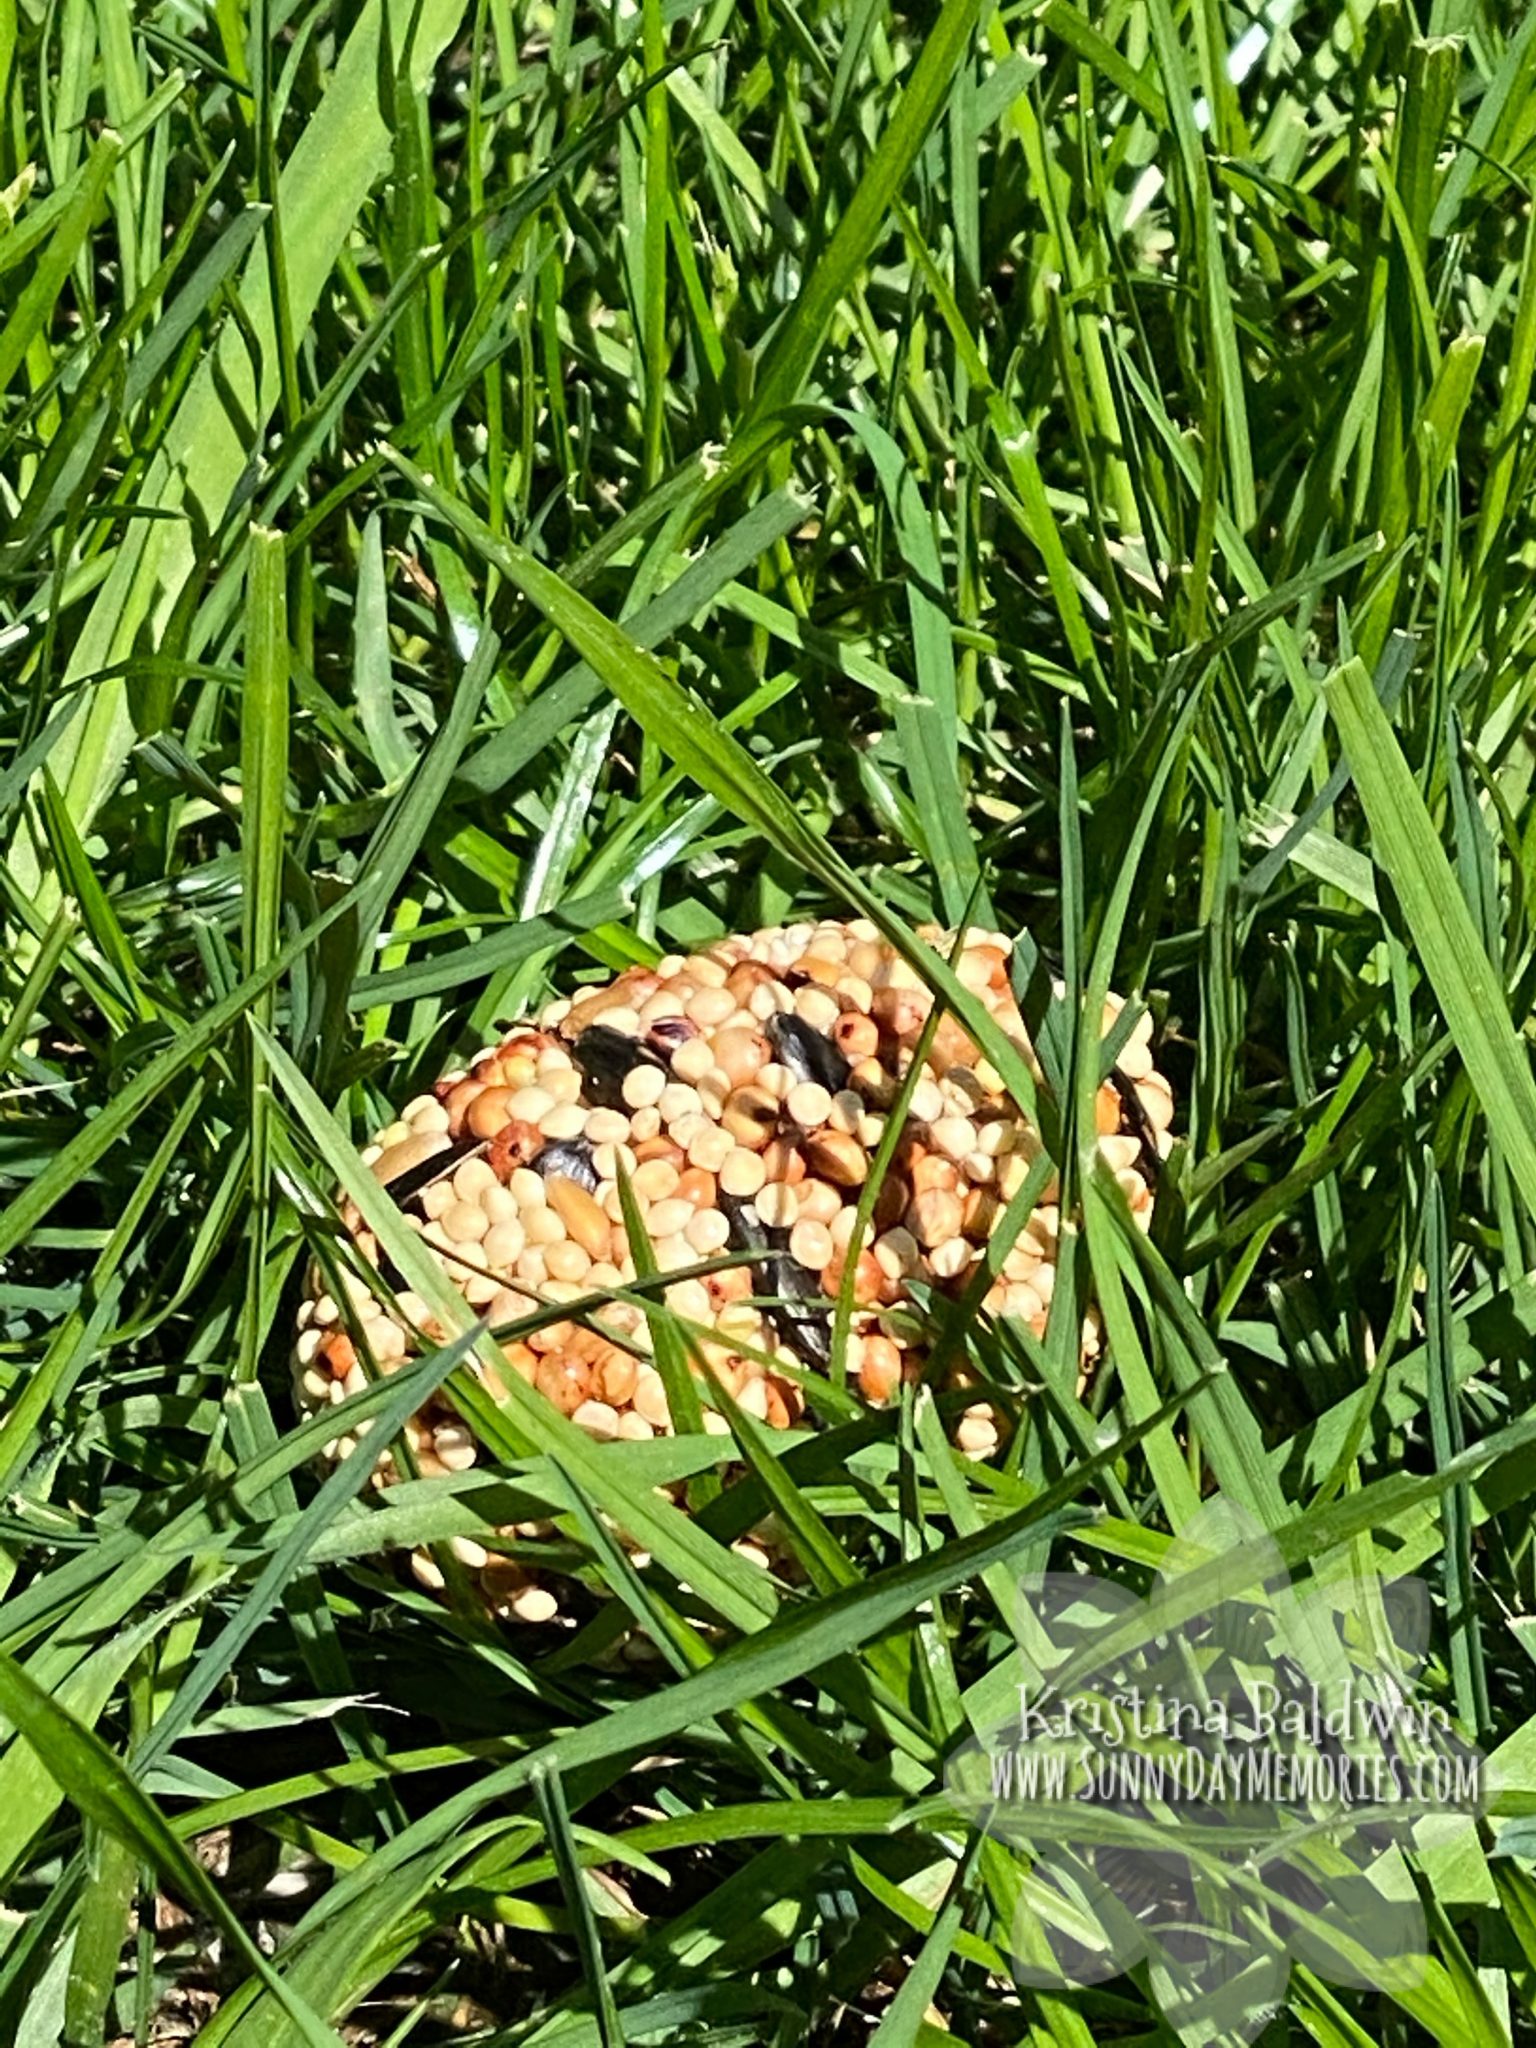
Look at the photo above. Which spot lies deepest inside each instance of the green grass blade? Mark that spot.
(96, 1782)
(1435, 912)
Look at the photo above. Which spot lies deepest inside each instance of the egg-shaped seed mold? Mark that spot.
(743, 1091)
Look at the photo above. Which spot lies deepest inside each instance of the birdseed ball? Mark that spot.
(743, 1089)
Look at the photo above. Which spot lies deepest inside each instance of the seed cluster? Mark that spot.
(742, 1091)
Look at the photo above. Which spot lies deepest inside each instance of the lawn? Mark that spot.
(495, 496)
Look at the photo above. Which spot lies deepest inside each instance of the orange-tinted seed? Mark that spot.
(696, 1186)
(783, 1162)
(616, 1377)
(879, 1368)
(750, 974)
(660, 1147)
(488, 1112)
(513, 1146)
(522, 1361)
(933, 1173)
(901, 1012)
(339, 1354)
(457, 1103)
(856, 1036)
(563, 1380)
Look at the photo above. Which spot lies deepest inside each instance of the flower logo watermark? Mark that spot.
(1213, 1783)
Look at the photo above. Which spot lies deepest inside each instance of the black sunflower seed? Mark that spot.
(406, 1187)
(807, 1331)
(808, 1053)
(569, 1157)
(1135, 1122)
(783, 1282)
(605, 1056)
(749, 1233)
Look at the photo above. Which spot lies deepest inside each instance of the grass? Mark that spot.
(493, 493)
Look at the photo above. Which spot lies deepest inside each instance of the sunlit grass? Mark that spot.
(490, 495)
